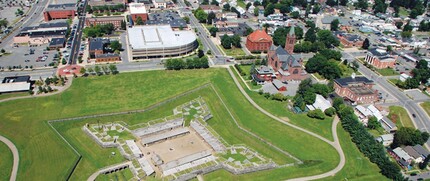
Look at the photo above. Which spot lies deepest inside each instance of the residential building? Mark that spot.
(60, 11)
(324, 22)
(160, 41)
(350, 40)
(263, 73)
(279, 85)
(167, 18)
(211, 8)
(102, 20)
(107, 58)
(42, 33)
(320, 103)
(138, 10)
(258, 41)
(15, 84)
(356, 89)
(402, 157)
(286, 65)
(96, 47)
(421, 150)
(388, 125)
(386, 139)
(56, 43)
(224, 23)
(106, 2)
(417, 158)
(380, 59)
(160, 4)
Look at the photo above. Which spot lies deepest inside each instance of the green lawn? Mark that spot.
(6, 161)
(394, 81)
(347, 70)
(8, 95)
(403, 12)
(387, 72)
(241, 3)
(122, 175)
(426, 107)
(233, 51)
(399, 116)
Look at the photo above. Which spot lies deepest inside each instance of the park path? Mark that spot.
(335, 144)
(15, 154)
(65, 87)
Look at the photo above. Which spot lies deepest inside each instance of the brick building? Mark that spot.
(60, 11)
(102, 20)
(106, 2)
(258, 41)
(96, 46)
(106, 58)
(263, 73)
(356, 89)
(350, 40)
(380, 59)
(287, 66)
(138, 10)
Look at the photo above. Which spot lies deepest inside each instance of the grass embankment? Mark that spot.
(233, 51)
(122, 175)
(6, 161)
(387, 72)
(400, 116)
(426, 107)
(9, 95)
(247, 69)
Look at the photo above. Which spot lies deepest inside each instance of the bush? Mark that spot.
(330, 111)
(279, 97)
(317, 113)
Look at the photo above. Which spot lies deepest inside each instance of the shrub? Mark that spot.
(330, 111)
(317, 113)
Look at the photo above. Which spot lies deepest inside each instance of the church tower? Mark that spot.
(291, 41)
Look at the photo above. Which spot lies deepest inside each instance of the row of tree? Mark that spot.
(325, 63)
(280, 34)
(117, 7)
(100, 70)
(99, 30)
(306, 94)
(190, 63)
(365, 142)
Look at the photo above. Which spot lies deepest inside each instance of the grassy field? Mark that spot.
(426, 107)
(399, 116)
(8, 95)
(6, 161)
(122, 175)
(387, 72)
(233, 51)
(403, 12)
(241, 3)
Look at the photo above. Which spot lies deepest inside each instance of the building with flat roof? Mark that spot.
(167, 18)
(15, 84)
(102, 20)
(211, 8)
(138, 10)
(57, 43)
(263, 73)
(160, 41)
(96, 46)
(160, 4)
(350, 40)
(356, 89)
(106, 2)
(42, 33)
(380, 58)
(258, 41)
(60, 11)
(108, 57)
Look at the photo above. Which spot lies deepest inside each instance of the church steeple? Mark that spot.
(290, 41)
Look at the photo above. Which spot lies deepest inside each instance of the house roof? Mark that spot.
(277, 83)
(59, 7)
(388, 123)
(387, 137)
(411, 151)
(57, 41)
(210, 7)
(363, 110)
(137, 8)
(259, 35)
(420, 149)
(287, 59)
(350, 80)
(402, 154)
(96, 45)
(264, 70)
(321, 103)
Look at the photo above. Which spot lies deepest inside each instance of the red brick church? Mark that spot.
(286, 65)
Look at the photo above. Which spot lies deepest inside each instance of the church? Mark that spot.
(286, 65)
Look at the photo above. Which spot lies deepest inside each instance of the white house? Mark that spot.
(386, 139)
(320, 103)
(404, 76)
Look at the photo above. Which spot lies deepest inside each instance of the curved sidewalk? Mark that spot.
(335, 144)
(15, 154)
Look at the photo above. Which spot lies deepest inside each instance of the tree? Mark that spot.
(4, 23)
(379, 6)
(210, 17)
(186, 19)
(311, 35)
(406, 34)
(226, 7)
(200, 53)
(235, 40)
(3, 51)
(316, 9)
(97, 69)
(373, 123)
(113, 69)
(317, 113)
(424, 26)
(361, 4)
(226, 41)
(248, 5)
(334, 25)
(409, 137)
(330, 111)
(270, 9)
(123, 25)
(256, 11)
(331, 54)
(83, 71)
(90, 70)
(201, 15)
(213, 31)
(366, 44)
(248, 31)
(337, 101)
(399, 24)
(327, 38)
(115, 45)
(295, 14)
(424, 164)
(214, 2)
(343, 2)
(139, 21)
(413, 14)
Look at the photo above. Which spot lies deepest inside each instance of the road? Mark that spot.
(421, 119)
(78, 35)
(15, 154)
(335, 144)
(34, 13)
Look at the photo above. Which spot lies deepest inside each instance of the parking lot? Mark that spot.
(21, 56)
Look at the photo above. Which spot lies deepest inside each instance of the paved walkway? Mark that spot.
(15, 154)
(66, 86)
(334, 143)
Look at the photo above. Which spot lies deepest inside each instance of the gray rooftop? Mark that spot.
(166, 18)
(411, 151)
(421, 150)
(356, 80)
(57, 7)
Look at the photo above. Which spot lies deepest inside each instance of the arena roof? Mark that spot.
(160, 36)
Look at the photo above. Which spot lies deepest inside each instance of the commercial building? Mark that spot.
(138, 10)
(286, 65)
(380, 59)
(106, 2)
(96, 46)
(356, 89)
(160, 41)
(108, 57)
(350, 40)
(15, 84)
(160, 4)
(167, 18)
(60, 11)
(258, 41)
(211, 8)
(57, 43)
(41, 34)
(102, 20)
